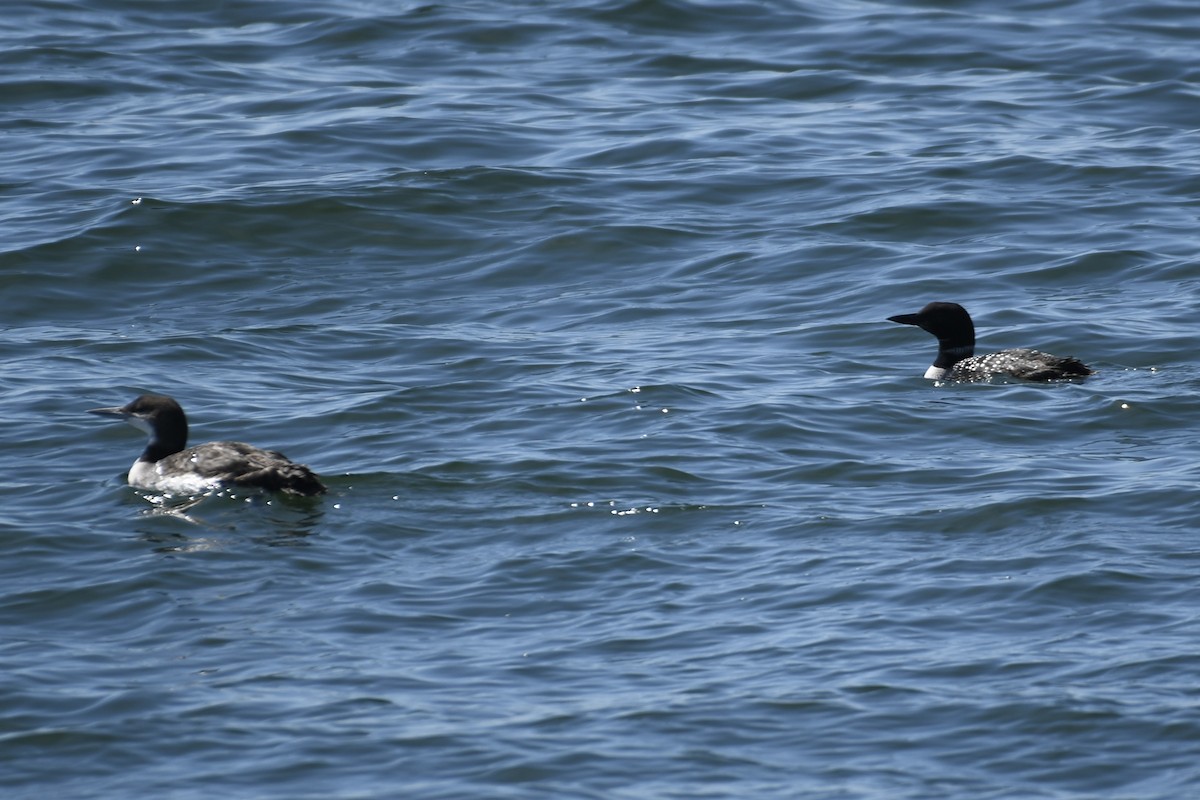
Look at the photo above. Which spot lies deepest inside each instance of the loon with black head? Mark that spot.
(956, 359)
(168, 465)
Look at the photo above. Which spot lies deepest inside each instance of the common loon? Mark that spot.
(168, 465)
(955, 332)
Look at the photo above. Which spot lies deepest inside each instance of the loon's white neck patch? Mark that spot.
(936, 373)
(142, 424)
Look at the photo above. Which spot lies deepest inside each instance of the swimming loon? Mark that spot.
(166, 466)
(955, 332)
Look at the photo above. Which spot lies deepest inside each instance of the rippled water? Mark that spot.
(580, 310)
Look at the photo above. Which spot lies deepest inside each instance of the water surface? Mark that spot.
(580, 310)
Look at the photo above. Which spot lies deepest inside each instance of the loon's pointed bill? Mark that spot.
(168, 465)
(956, 359)
(903, 319)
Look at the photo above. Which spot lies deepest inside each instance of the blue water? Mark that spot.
(580, 310)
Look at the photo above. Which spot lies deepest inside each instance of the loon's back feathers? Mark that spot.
(1019, 362)
(955, 361)
(241, 464)
(169, 465)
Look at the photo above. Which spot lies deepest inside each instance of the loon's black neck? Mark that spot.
(952, 351)
(158, 448)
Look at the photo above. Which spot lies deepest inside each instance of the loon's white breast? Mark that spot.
(936, 373)
(167, 465)
(155, 477)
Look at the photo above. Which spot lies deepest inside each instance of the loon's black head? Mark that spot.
(952, 326)
(159, 416)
